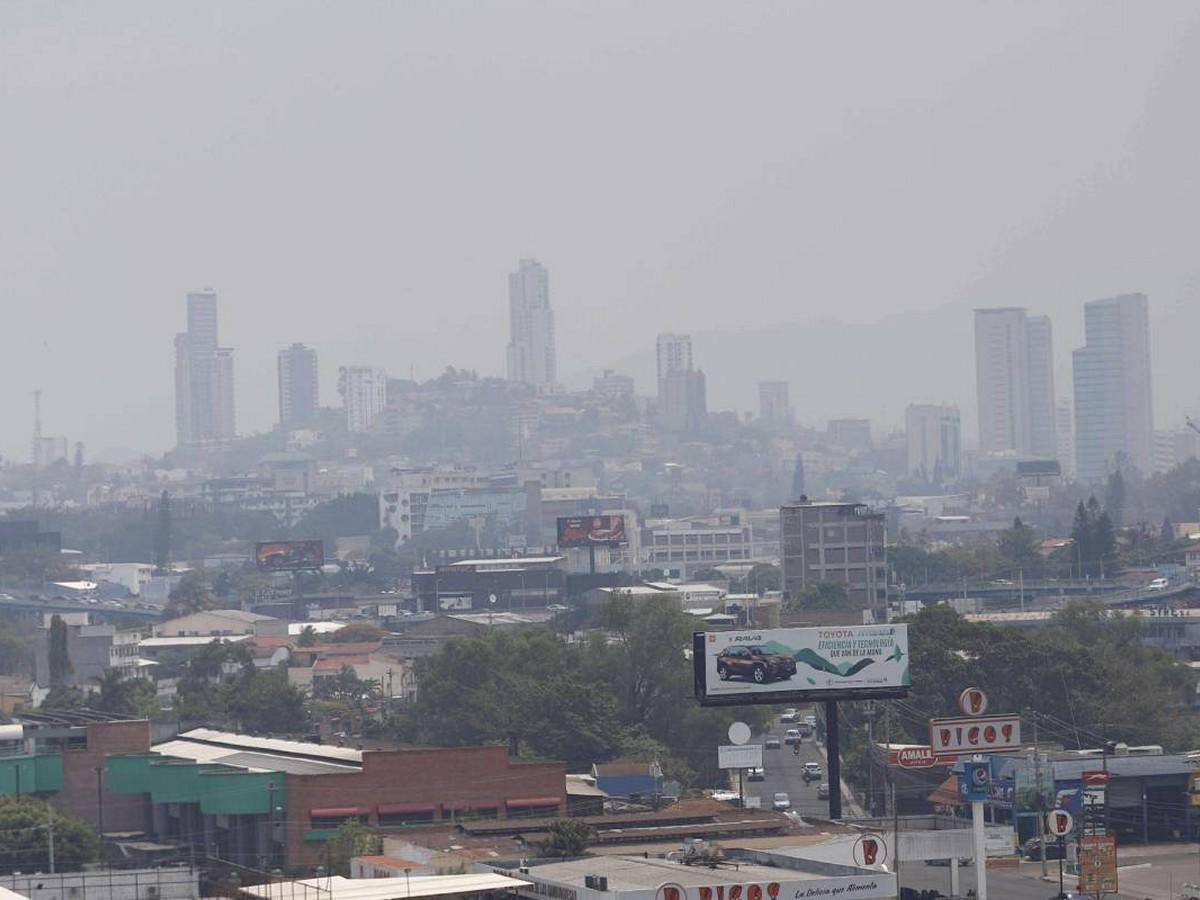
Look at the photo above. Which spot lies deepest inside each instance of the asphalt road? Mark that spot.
(782, 770)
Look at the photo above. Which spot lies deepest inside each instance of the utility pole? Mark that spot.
(100, 811)
(1021, 587)
(1041, 806)
(50, 835)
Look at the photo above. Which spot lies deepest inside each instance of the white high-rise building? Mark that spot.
(1039, 338)
(531, 352)
(204, 391)
(934, 435)
(1114, 417)
(364, 395)
(1014, 383)
(298, 386)
(1064, 418)
(774, 406)
(673, 353)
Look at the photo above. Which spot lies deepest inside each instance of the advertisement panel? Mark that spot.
(1098, 864)
(780, 664)
(289, 556)
(596, 531)
(975, 781)
(740, 756)
(979, 734)
(1034, 790)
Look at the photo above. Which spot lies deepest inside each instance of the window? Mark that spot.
(398, 815)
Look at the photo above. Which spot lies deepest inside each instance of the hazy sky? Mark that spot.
(361, 176)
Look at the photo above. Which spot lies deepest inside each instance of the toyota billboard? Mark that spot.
(289, 556)
(841, 662)
(594, 531)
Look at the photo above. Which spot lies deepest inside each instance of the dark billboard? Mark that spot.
(289, 556)
(584, 531)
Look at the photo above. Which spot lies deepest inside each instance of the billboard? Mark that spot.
(585, 531)
(843, 662)
(974, 734)
(740, 756)
(1098, 864)
(289, 556)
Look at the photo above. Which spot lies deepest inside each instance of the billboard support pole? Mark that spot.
(980, 849)
(833, 750)
(592, 558)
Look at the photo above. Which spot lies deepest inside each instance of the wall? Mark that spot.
(119, 884)
(470, 777)
(122, 812)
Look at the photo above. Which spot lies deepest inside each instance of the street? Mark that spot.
(782, 770)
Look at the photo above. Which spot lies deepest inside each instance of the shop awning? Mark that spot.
(394, 809)
(530, 802)
(339, 812)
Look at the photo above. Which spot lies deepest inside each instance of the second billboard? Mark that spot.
(581, 531)
(781, 664)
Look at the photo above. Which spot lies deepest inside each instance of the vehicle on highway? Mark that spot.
(782, 801)
(812, 772)
(756, 774)
(823, 791)
(1158, 584)
(788, 716)
(773, 743)
(810, 721)
(754, 662)
(792, 736)
(1032, 849)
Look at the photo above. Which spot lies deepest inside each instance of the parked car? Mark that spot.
(773, 743)
(812, 772)
(1033, 849)
(756, 774)
(755, 663)
(791, 736)
(1158, 584)
(823, 791)
(782, 801)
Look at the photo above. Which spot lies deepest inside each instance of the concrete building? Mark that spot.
(683, 401)
(673, 353)
(91, 649)
(850, 434)
(204, 376)
(1113, 397)
(210, 623)
(843, 543)
(934, 435)
(1014, 383)
(299, 386)
(613, 387)
(681, 546)
(532, 357)
(774, 407)
(489, 585)
(1064, 435)
(364, 395)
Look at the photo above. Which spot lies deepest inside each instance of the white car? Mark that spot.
(810, 721)
(782, 801)
(792, 736)
(1158, 584)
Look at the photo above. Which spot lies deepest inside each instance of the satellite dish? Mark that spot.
(739, 732)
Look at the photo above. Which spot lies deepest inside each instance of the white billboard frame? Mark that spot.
(837, 662)
(740, 756)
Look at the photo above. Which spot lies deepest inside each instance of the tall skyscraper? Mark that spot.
(298, 386)
(1064, 418)
(1040, 349)
(934, 436)
(774, 407)
(1114, 416)
(1014, 383)
(682, 389)
(673, 353)
(531, 351)
(204, 373)
(364, 395)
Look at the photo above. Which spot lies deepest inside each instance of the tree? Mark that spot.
(566, 837)
(822, 595)
(62, 697)
(356, 632)
(307, 637)
(24, 840)
(1018, 547)
(1114, 497)
(192, 594)
(351, 839)
(265, 702)
(124, 695)
(59, 660)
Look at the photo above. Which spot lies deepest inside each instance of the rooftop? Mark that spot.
(402, 888)
(635, 873)
(503, 562)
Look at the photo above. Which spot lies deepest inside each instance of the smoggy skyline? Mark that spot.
(363, 179)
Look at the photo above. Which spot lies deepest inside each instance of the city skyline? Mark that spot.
(746, 238)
